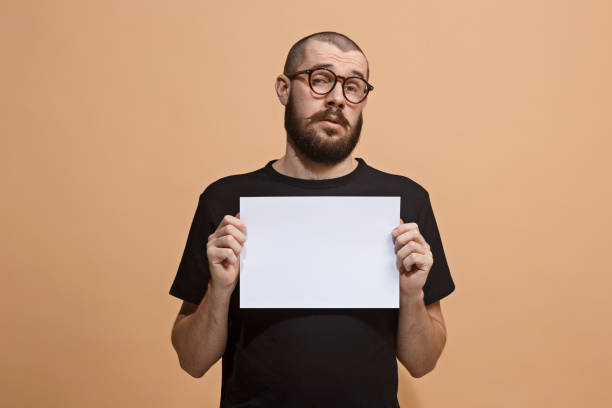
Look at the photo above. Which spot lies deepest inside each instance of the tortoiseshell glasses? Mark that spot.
(322, 80)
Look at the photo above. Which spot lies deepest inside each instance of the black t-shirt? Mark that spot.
(308, 357)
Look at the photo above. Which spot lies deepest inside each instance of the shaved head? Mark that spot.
(296, 54)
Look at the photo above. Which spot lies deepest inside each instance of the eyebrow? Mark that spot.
(354, 72)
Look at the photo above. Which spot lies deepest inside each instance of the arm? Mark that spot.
(199, 334)
(421, 335)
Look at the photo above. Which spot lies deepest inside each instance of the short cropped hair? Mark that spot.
(297, 52)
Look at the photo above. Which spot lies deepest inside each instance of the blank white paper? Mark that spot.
(319, 252)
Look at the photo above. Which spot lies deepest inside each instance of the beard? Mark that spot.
(324, 149)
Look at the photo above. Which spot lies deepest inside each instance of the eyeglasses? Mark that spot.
(322, 80)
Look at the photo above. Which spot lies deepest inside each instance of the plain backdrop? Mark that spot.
(115, 115)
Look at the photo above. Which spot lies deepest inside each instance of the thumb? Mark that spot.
(238, 214)
(402, 221)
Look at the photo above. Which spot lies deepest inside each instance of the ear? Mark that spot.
(283, 88)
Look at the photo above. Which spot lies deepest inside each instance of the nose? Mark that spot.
(335, 97)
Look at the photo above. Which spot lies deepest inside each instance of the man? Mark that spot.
(311, 357)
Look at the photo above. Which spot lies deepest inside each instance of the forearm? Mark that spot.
(200, 338)
(420, 339)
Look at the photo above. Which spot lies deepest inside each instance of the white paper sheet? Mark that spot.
(319, 252)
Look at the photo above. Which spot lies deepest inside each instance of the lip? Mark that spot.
(331, 122)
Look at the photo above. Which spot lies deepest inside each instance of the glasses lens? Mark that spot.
(355, 89)
(322, 81)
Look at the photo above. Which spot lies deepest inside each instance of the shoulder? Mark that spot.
(228, 185)
(398, 182)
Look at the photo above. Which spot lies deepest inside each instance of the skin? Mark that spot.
(414, 258)
(199, 334)
(421, 329)
(308, 103)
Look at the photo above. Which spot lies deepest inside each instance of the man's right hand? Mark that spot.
(223, 250)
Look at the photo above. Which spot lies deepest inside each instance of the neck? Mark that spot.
(294, 165)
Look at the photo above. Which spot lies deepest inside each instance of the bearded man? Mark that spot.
(311, 357)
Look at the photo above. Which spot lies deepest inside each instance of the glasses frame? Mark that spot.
(309, 71)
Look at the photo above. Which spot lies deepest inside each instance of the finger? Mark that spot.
(232, 259)
(218, 255)
(403, 239)
(411, 235)
(226, 241)
(414, 259)
(227, 230)
(403, 227)
(235, 232)
(229, 220)
(401, 267)
(411, 247)
(238, 214)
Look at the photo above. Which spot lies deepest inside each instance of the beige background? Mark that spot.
(115, 115)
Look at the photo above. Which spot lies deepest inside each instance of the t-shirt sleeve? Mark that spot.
(439, 283)
(193, 275)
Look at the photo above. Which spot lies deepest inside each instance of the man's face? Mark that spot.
(306, 113)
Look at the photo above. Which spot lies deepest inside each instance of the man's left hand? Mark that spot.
(414, 258)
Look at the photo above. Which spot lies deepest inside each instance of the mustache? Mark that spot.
(336, 113)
